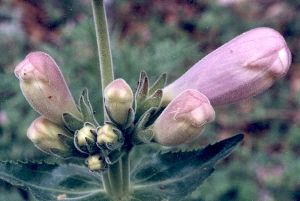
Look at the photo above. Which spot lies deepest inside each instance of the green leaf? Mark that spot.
(54, 182)
(159, 83)
(173, 176)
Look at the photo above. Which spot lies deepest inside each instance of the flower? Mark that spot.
(241, 68)
(44, 87)
(118, 98)
(44, 135)
(183, 119)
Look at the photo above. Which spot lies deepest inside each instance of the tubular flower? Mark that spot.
(241, 68)
(118, 100)
(183, 119)
(44, 135)
(44, 87)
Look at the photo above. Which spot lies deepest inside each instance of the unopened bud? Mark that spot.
(241, 68)
(44, 134)
(94, 163)
(118, 100)
(44, 87)
(84, 134)
(105, 134)
(183, 119)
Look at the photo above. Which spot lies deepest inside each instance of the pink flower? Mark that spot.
(241, 68)
(183, 119)
(44, 87)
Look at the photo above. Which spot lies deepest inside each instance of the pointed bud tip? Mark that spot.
(119, 91)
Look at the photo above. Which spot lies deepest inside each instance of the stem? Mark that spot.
(126, 172)
(111, 180)
(102, 35)
(115, 177)
(106, 183)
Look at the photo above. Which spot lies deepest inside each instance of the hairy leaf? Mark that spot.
(174, 175)
(54, 182)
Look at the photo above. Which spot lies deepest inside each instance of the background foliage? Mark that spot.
(162, 36)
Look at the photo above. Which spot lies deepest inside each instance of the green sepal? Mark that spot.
(175, 175)
(159, 83)
(129, 121)
(66, 140)
(142, 88)
(119, 143)
(130, 118)
(144, 136)
(71, 122)
(145, 118)
(139, 135)
(86, 108)
(91, 146)
(154, 100)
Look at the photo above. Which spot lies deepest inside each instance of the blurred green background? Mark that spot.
(162, 36)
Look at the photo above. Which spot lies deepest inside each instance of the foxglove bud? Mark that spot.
(105, 134)
(118, 100)
(241, 68)
(44, 87)
(183, 119)
(44, 134)
(84, 134)
(94, 163)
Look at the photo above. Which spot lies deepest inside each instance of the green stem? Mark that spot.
(110, 179)
(126, 173)
(115, 177)
(106, 183)
(102, 35)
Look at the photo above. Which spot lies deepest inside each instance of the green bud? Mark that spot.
(45, 135)
(118, 100)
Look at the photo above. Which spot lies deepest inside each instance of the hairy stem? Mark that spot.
(126, 173)
(106, 183)
(116, 181)
(111, 180)
(104, 51)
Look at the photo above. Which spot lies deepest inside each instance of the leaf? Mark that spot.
(173, 176)
(54, 182)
